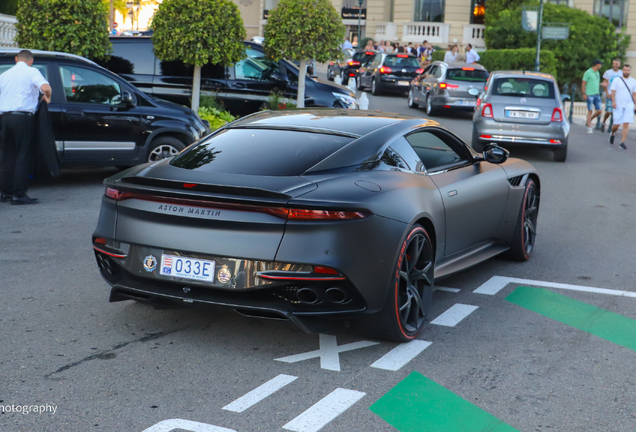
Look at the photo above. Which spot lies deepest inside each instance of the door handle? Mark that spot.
(75, 113)
(238, 85)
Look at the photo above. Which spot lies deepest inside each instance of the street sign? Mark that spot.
(557, 33)
(529, 19)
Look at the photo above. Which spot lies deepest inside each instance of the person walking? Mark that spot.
(608, 77)
(471, 55)
(591, 93)
(20, 87)
(623, 91)
(346, 44)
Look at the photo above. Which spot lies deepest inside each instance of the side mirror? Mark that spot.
(127, 99)
(279, 78)
(494, 154)
(565, 97)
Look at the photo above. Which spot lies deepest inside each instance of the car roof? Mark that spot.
(514, 74)
(355, 123)
(464, 65)
(394, 54)
(9, 52)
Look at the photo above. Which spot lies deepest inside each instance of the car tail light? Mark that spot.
(557, 115)
(352, 75)
(419, 71)
(402, 55)
(468, 69)
(446, 106)
(553, 141)
(485, 136)
(99, 240)
(478, 102)
(486, 111)
(385, 70)
(324, 270)
(369, 53)
(354, 63)
(331, 64)
(280, 212)
(444, 85)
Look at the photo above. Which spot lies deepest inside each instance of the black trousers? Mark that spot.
(18, 153)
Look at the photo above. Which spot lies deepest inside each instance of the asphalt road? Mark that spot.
(128, 366)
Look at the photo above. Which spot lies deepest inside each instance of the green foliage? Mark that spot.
(277, 101)
(217, 118)
(304, 29)
(438, 55)
(73, 26)
(590, 37)
(496, 6)
(518, 59)
(211, 102)
(8, 7)
(199, 32)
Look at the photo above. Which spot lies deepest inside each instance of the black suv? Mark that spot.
(349, 68)
(99, 119)
(243, 88)
(389, 73)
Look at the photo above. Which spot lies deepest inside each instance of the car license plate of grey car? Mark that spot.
(188, 268)
(523, 114)
(403, 83)
(468, 103)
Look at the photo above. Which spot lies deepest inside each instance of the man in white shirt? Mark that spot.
(471, 54)
(623, 90)
(608, 77)
(20, 88)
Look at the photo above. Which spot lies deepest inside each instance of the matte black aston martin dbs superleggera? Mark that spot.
(315, 215)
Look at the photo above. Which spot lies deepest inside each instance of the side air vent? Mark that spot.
(515, 181)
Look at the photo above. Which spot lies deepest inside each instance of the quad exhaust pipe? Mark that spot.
(312, 296)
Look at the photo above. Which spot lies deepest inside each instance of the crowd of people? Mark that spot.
(424, 51)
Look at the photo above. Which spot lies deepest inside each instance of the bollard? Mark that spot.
(352, 84)
(363, 102)
(337, 80)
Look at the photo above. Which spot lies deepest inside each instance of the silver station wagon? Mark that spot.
(520, 108)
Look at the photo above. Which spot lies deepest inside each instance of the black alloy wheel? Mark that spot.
(526, 229)
(411, 290)
(429, 106)
(411, 99)
(374, 87)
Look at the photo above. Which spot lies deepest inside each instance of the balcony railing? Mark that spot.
(474, 35)
(386, 31)
(7, 31)
(433, 32)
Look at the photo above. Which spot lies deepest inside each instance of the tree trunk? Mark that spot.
(196, 88)
(302, 71)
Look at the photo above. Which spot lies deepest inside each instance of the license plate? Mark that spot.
(404, 83)
(523, 114)
(188, 268)
(468, 103)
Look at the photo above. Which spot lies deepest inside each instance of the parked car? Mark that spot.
(315, 216)
(448, 86)
(243, 88)
(522, 108)
(389, 73)
(349, 67)
(99, 119)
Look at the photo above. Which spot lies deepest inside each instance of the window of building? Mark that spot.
(614, 10)
(429, 10)
(478, 11)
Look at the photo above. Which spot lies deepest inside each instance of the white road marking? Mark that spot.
(186, 425)
(324, 411)
(454, 315)
(259, 393)
(496, 283)
(328, 352)
(401, 355)
(453, 290)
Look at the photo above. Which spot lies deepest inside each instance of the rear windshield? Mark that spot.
(524, 87)
(401, 61)
(467, 74)
(262, 152)
(362, 56)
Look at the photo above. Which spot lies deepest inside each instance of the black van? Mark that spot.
(99, 119)
(242, 88)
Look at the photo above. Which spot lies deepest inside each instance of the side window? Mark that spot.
(433, 151)
(132, 58)
(40, 67)
(402, 146)
(428, 69)
(87, 86)
(176, 69)
(438, 72)
(376, 61)
(433, 70)
(255, 66)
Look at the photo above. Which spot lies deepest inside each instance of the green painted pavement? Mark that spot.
(599, 322)
(418, 404)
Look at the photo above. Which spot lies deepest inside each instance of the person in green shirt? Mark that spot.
(592, 93)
